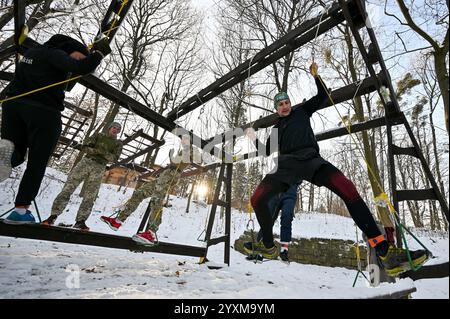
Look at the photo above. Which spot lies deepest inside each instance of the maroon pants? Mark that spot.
(327, 175)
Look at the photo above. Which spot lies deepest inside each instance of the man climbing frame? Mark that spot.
(157, 190)
(100, 150)
(31, 112)
(299, 159)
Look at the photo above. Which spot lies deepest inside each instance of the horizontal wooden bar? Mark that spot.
(6, 53)
(77, 109)
(73, 236)
(355, 128)
(410, 151)
(428, 272)
(201, 170)
(218, 240)
(346, 93)
(334, 133)
(138, 154)
(222, 203)
(402, 294)
(416, 194)
(6, 76)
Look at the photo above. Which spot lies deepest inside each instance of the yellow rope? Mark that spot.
(39, 89)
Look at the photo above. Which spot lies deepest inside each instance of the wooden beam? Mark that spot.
(113, 10)
(364, 53)
(428, 272)
(416, 194)
(293, 40)
(200, 170)
(6, 76)
(66, 141)
(19, 20)
(379, 56)
(346, 93)
(79, 110)
(355, 128)
(132, 137)
(138, 154)
(73, 236)
(402, 294)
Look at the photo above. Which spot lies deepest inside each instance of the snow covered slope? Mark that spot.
(37, 269)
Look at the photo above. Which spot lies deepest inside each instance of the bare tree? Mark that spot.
(430, 84)
(267, 21)
(148, 24)
(437, 36)
(346, 61)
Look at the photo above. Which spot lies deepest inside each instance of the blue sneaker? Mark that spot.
(6, 151)
(17, 219)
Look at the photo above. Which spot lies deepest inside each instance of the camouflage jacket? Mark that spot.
(102, 148)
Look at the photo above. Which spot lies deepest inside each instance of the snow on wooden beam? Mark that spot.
(402, 294)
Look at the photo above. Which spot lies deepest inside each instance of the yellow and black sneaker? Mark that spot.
(396, 260)
(251, 248)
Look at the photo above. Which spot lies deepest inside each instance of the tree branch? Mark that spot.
(405, 11)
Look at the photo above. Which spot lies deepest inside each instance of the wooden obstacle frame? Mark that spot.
(351, 12)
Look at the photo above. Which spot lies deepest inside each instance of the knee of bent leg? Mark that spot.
(258, 196)
(346, 187)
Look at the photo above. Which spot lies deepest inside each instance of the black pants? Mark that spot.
(326, 175)
(37, 130)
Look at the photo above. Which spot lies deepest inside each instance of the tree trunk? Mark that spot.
(443, 81)
(311, 198)
(437, 164)
(411, 207)
(190, 195)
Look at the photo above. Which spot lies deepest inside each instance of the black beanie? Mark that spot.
(67, 44)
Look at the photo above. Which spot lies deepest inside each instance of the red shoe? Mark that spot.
(147, 238)
(50, 221)
(113, 223)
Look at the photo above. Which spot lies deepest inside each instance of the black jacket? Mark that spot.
(46, 65)
(295, 135)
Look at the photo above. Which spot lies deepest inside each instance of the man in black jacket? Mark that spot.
(33, 122)
(299, 159)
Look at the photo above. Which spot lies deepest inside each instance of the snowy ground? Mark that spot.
(37, 269)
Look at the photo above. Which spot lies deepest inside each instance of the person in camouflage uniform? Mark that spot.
(100, 150)
(157, 190)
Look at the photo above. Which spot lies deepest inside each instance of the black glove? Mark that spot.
(102, 46)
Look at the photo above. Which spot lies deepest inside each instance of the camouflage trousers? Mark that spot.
(89, 171)
(157, 190)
